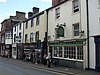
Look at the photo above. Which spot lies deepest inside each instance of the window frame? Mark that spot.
(20, 26)
(26, 38)
(14, 38)
(76, 30)
(75, 8)
(57, 13)
(37, 36)
(37, 20)
(73, 52)
(32, 22)
(26, 25)
(31, 37)
(20, 35)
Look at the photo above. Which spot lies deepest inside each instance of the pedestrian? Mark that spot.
(24, 56)
(49, 60)
(31, 55)
(44, 60)
(34, 57)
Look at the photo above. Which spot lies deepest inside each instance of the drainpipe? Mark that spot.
(47, 31)
(88, 34)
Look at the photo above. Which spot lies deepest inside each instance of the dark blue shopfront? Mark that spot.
(97, 48)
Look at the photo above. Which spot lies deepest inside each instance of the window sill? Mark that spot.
(69, 59)
(75, 13)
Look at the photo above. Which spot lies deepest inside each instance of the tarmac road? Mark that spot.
(11, 68)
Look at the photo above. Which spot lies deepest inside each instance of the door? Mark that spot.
(98, 57)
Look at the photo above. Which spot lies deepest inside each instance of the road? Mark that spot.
(12, 68)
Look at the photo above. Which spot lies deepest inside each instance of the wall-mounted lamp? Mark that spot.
(82, 31)
(61, 24)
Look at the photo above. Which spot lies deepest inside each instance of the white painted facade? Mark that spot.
(94, 28)
(69, 18)
(8, 38)
(17, 29)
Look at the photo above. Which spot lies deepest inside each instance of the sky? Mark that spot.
(9, 7)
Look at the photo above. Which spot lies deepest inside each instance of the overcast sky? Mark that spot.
(9, 7)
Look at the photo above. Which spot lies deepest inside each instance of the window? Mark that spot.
(20, 37)
(70, 52)
(80, 52)
(8, 35)
(37, 20)
(20, 26)
(75, 6)
(26, 24)
(57, 12)
(37, 36)
(14, 37)
(32, 22)
(58, 51)
(15, 28)
(76, 29)
(73, 52)
(31, 37)
(26, 38)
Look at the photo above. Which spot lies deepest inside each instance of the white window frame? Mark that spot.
(76, 30)
(74, 52)
(31, 37)
(57, 12)
(75, 7)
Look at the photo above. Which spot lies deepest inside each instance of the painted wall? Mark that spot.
(94, 26)
(67, 16)
(18, 31)
(41, 28)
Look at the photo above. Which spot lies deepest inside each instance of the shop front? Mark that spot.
(17, 50)
(68, 53)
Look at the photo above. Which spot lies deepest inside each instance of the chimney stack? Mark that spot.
(55, 2)
(30, 14)
(35, 10)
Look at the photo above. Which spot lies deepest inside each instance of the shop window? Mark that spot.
(70, 52)
(80, 52)
(58, 51)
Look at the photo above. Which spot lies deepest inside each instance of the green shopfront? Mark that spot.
(68, 53)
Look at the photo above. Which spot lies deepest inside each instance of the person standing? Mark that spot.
(44, 60)
(49, 60)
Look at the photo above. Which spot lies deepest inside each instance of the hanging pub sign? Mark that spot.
(60, 31)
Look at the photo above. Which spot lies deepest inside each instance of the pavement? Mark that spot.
(59, 69)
